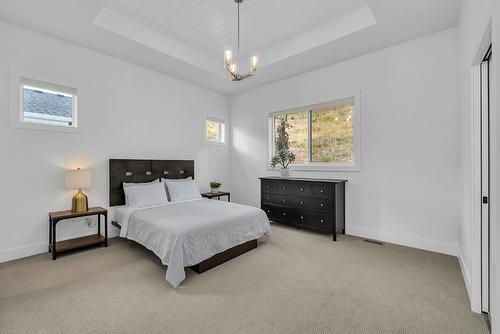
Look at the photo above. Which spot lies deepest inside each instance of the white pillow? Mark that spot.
(125, 185)
(173, 180)
(176, 180)
(143, 195)
(181, 190)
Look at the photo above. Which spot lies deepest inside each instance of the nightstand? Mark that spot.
(218, 195)
(86, 241)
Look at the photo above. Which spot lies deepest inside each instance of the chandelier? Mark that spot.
(233, 67)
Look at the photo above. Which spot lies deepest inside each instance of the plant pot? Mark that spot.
(214, 190)
(284, 172)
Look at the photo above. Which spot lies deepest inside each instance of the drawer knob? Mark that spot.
(268, 187)
(268, 197)
(301, 202)
(322, 205)
(284, 188)
(284, 213)
(284, 199)
(301, 217)
(322, 191)
(301, 189)
(268, 211)
(322, 220)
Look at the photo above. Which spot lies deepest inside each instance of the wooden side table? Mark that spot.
(86, 241)
(218, 195)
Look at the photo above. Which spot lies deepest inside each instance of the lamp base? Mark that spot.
(80, 202)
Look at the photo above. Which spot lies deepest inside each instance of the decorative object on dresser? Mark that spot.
(282, 154)
(214, 186)
(316, 204)
(78, 179)
(90, 240)
(217, 194)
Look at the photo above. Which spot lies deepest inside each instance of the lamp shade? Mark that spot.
(74, 179)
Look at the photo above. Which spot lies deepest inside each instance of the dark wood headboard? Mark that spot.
(132, 170)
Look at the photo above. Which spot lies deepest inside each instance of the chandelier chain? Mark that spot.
(238, 52)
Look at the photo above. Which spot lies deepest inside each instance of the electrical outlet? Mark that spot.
(90, 222)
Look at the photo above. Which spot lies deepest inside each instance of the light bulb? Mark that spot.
(254, 63)
(232, 67)
(228, 56)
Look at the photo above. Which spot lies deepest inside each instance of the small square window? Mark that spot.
(47, 104)
(215, 131)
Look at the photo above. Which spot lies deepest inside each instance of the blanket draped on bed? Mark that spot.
(186, 233)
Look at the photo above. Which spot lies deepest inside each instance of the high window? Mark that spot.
(48, 104)
(322, 136)
(215, 131)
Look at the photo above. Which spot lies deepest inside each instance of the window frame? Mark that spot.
(18, 79)
(354, 166)
(220, 121)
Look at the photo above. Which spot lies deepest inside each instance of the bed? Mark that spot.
(199, 234)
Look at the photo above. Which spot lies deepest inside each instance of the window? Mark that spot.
(44, 102)
(322, 136)
(215, 131)
(49, 104)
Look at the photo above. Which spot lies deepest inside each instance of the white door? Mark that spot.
(485, 183)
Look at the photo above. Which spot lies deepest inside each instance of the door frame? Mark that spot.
(485, 182)
(475, 288)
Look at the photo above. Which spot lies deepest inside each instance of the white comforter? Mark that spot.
(186, 233)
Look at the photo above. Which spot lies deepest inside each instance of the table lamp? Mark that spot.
(78, 179)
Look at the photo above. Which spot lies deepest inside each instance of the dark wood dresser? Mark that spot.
(316, 204)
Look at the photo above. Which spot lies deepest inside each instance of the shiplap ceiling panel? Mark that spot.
(208, 25)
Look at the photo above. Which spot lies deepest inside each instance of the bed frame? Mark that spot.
(133, 171)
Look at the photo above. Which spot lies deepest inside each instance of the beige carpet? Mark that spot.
(294, 282)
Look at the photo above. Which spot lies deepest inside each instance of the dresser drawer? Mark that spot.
(323, 190)
(302, 189)
(294, 188)
(318, 221)
(284, 187)
(278, 213)
(280, 199)
(315, 204)
(268, 186)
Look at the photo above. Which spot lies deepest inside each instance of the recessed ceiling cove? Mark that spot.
(186, 39)
(196, 32)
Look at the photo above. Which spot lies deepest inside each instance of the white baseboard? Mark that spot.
(24, 251)
(465, 273)
(425, 244)
(38, 248)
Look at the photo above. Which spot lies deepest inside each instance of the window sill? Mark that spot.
(320, 168)
(213, 143)
(44, 127)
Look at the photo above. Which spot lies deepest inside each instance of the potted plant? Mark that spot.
(282, 155)
(214, 186)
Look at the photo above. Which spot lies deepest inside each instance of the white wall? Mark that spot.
(132, 112)
(407, 191)
(474, 19)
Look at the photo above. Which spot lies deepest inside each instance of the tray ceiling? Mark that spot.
(207, 25)
(197, 31)
(186, 38)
